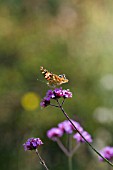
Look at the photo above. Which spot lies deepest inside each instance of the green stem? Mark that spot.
(75, 149)
(62, 147)
(69, 157)
(69, 142)
(53, 105)
(70, 162)
(63, 102)
(41, 160)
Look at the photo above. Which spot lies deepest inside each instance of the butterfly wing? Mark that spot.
(53, 79)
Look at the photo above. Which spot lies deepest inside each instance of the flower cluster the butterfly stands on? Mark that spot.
(55, 94)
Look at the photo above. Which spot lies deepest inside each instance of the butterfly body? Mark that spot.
(53, 79)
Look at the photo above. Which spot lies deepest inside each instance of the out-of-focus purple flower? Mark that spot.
(68, 128)
(45, 102)
(66, 93)
(32, 143)
(106, 152)
(77, 125)
(85, 134)
(54, 133)
(65, 126)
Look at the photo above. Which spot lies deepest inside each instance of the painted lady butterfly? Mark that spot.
(53, 79)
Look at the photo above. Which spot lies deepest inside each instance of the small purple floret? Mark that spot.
(65, 126)
(32, 143)
(58, 92)
(66, 93)
(54, 133)
(106, 152)
(85, 134)
(45, 102)
(50, 94)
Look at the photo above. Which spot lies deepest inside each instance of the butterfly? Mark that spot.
(53, 79)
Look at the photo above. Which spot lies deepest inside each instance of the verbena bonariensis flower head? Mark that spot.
(85, 134)
(32, 143)
(54, 133)
(55, 94)
(106, 152)
(67, 127)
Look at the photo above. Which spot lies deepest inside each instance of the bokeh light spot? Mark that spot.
(107, 81)
(30, 101)
(103, 115)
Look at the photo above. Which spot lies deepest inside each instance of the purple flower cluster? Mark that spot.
(66, 127)
(54, 133)
(55, 94)
(106, 152)
(32, 143)
(85, 134)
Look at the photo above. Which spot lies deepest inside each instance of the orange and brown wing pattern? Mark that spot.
(53, 79)
(60, 79)
(47, 75)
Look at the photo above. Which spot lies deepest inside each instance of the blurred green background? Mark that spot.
(72, 37)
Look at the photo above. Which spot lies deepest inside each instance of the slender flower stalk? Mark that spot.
(62, 147)
(65, 114)
(63, 102)
(70, 162)
(75, 149)
(53, 105)
(69, 153)
(41, 160)
(65, 150)
(70, 156)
